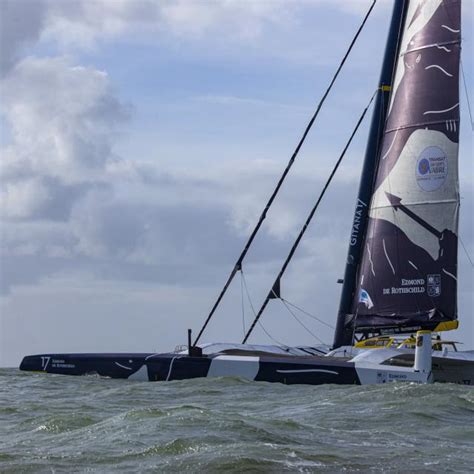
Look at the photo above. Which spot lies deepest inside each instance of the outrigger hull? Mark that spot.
(311, 370)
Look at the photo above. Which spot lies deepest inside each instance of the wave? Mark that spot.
(229, 424)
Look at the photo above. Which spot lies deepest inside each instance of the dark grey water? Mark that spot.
(86, 424)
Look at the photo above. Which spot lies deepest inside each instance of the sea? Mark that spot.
(54, 423)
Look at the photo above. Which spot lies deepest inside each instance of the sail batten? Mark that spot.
(407, 275)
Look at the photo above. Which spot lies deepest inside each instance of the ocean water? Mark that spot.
(51, 423)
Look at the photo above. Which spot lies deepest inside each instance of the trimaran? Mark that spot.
(401, 271)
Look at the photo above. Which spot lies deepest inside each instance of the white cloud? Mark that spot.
(21, 199)
(63, 119)
(65, 194)
(241, 19)
(84, 23)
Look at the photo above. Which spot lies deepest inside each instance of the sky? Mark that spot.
(139, 142)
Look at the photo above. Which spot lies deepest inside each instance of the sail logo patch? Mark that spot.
(433, 285)
(357, 220)
(365, 298)
(431, 168)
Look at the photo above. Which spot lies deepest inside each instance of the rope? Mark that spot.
(272, 338)
(308, 314)
(238, 264)
(465, 250)
(248, 294)
(242, 300)
(467, 95)
(301, 323)
(255, 314)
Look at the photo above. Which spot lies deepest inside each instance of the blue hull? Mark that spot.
(311, 370)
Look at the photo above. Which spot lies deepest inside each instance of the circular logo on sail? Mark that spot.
(431, 168)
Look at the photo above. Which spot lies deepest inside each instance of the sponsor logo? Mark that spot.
(433, 285)
(407, 286)
(431, 168)
(365, 298)
(423, 166)
(381, 377)
(384, 377)
(397, 376)
(357, 221)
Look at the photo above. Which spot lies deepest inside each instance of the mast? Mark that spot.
(343, 335)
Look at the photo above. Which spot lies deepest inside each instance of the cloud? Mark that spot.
(67, 197)
(69, 200)
(244, 20)
(64, 111)
(21, 22)
(62, 119)
(83, 24)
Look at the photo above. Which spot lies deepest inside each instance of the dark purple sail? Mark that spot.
(407, 277)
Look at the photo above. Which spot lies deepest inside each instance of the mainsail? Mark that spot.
(407, 276)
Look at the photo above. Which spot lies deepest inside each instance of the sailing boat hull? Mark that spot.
(172, 366)
(371, 367)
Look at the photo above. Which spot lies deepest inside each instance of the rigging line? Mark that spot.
(248, 294)
(242, 300)
(465, 250)
(467, 95)
(272, 338)
(355, 323)
(238, 264)
(306, 224)
(301, 323)
(307, 314)
(254, 313)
